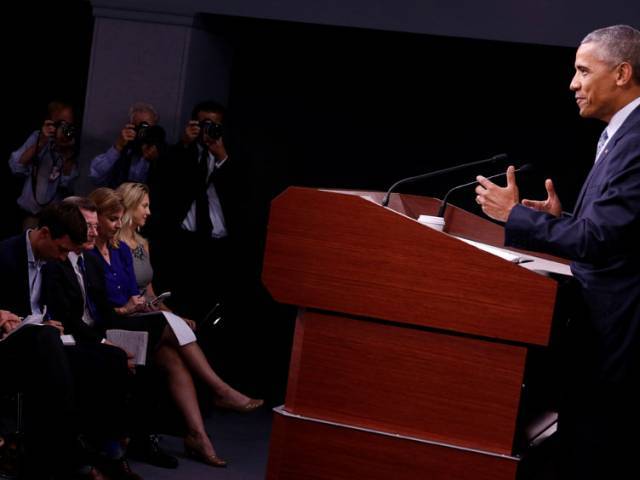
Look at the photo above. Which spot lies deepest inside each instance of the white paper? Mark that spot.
(498, 252)
(525, 260)
(131, 341)
(68, 340)
(181, 330)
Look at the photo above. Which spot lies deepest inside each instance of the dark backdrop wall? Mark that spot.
(351, 108)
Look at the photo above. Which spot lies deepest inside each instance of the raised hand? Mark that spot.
(496, 201)
(127, 134)
(551, 205)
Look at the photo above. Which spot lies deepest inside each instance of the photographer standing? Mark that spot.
(129, 159)
(48, 161)
(192, 192)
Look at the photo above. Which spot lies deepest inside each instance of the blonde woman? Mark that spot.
(135, 197)
(179, 358)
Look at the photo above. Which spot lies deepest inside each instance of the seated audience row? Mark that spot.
(82, 271)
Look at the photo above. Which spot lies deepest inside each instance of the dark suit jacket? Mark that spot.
(14, 276)
(63, 297)
(602, 238)
(172, 185)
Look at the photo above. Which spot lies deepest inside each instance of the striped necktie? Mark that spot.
(604, 136)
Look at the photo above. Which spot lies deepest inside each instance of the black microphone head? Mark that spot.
(526, 168)
(500, 157)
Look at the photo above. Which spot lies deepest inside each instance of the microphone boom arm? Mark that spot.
(495, 158)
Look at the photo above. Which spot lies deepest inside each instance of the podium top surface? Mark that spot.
(346, 253)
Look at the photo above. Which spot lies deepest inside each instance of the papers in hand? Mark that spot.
(68, 340)
(34, 319)
(132, 342)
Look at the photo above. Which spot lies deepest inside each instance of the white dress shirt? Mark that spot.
(215, 209)
(35, 279)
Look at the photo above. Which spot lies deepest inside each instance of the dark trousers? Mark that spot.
(102, 381)
(598, 431)
(34, 362)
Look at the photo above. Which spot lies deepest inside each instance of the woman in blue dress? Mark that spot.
(179, 355)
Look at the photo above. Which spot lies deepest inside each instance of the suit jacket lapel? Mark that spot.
(632, 121)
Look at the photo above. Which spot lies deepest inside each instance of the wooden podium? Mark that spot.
(410, 345)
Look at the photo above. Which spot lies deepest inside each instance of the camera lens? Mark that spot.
(212, 129)
(141, 130)
(67, 129)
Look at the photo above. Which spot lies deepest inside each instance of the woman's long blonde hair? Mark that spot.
(132, 195)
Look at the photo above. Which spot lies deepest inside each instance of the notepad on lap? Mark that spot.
(131, 341)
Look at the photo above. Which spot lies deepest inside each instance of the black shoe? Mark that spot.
(147, 449)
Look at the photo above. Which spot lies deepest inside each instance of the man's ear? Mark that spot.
(624, 73)
(45, 232)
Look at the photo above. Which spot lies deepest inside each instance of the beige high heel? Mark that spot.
(193, 449)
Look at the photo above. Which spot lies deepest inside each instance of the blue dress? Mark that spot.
(120, 280)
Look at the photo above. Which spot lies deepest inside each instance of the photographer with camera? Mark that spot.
(137, 147)
(193, 192)
(47, 160)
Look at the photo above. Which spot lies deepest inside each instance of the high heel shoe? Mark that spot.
(192, 450)
(250, 406)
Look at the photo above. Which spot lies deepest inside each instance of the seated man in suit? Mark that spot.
(75, 295)
(32, 357)
(90, 376)
(33, 362)
(599, 419)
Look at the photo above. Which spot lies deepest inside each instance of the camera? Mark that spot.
(141, 130)
(152, 135)
(68, 129)
(210, 128)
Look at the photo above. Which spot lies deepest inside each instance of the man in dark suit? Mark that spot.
(193, 194)
(599, 419)
(96, 375)
(99, 368)
(32, 357)
(75, 293)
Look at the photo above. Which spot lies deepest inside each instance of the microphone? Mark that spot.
(527, 167)
(496, 158)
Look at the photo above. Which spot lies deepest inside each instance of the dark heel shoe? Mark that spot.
(191, 450)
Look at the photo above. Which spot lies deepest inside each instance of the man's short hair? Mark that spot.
(618, 43)
(64, 219)
(56, 106)
(208, 106)
(83, 203)
(142, 107)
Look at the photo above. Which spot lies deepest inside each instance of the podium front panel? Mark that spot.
(408, 381)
